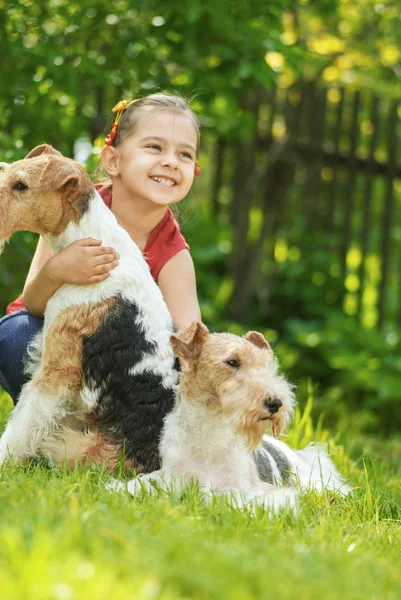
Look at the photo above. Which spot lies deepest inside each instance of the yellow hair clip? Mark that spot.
(119, 108)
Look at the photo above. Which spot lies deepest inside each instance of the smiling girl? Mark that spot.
(150, 157)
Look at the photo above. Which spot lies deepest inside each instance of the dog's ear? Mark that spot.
(187, 343)
(258, 340)
(66, 178)
(43, 149)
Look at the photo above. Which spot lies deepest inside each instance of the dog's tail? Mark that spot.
(81, 448)
(322, 472)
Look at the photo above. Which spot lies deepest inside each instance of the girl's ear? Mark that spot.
(110, 160)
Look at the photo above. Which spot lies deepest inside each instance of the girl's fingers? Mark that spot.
(105, 267)
(105, 258)
(101, 250)
(98, 278)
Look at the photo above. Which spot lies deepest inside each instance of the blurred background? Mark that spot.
(295, 222)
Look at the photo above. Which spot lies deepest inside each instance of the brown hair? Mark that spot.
(136, 112)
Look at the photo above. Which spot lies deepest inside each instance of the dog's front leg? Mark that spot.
(153, 482)
(34, 420)
(276, 499)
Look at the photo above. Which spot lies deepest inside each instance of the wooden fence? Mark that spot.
(344, 145)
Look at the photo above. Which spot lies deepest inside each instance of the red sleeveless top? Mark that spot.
(164, 242)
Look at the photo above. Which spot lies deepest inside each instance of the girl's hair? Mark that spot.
(135, 113)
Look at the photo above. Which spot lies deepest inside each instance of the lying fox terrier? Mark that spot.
(230, 391)
(103, 370)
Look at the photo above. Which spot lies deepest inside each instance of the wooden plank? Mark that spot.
(318, 210)
(348, 197)
(311, 136)
(295, 112)
(367, 200)
(388, 212)
(273, 111)
(332, 200)
(219, 151)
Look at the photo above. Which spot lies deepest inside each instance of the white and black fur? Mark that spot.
(310, 467)
(129, 368)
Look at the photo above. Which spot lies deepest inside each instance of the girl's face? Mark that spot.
(157, 163)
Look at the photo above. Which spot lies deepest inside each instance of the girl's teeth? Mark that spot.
(163, 181)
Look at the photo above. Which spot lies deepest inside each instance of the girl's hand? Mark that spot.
(83, 262)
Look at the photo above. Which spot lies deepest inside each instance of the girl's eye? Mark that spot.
(187, 155)
(232, 362)
(153, 146)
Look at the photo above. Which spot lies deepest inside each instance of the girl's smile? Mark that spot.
(164, 181)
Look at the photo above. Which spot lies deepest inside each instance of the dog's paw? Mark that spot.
(136, 487)
(149, 483)
(114, 485)
(285, 498)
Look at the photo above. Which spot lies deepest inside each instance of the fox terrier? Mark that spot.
(229, 392)
(103, 370)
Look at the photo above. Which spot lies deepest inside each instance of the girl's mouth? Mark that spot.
(164, 181)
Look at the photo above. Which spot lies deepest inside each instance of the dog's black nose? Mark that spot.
(273, 405)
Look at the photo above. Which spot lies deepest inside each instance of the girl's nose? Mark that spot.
(169, 160)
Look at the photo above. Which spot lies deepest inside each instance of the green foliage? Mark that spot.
(75, 60)
(14, 265)
(355, 370)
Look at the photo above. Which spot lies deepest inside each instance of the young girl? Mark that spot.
(150, 157)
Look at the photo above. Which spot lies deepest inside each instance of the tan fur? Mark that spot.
(242, 392)
(258, 340)
(62, 370)
(85, 448)
(189, 342)
(53, 198)
(62, 355)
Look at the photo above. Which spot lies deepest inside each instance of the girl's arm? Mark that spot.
(38, 286)
(81, 263)
(178, 285)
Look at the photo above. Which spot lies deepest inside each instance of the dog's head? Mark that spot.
(234, 376)
(42, 193)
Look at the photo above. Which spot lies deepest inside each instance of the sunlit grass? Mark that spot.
(63, 536)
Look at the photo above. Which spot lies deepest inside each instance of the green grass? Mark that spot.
(63, 536)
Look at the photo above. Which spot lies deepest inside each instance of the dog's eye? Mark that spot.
(233, 363)
(20, 186)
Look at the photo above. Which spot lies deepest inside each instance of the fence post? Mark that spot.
(388, 210)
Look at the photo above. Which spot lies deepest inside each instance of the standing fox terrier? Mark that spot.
(103, 371)
(229, 391)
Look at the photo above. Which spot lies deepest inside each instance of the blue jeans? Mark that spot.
(16, 331)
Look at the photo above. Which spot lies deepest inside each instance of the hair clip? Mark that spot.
(119, 108)
(197, 169)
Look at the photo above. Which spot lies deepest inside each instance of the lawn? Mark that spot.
(63, 536)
